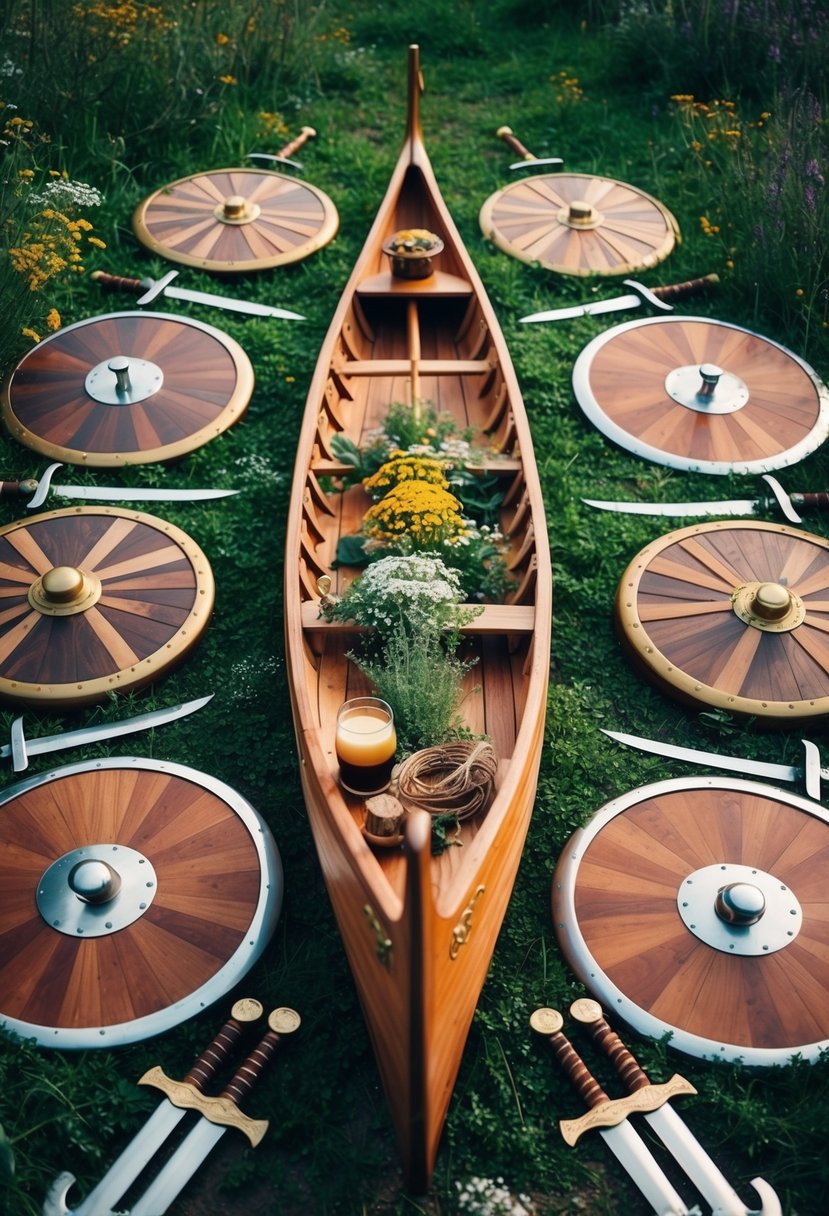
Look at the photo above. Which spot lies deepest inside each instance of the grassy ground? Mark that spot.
(330, 1147)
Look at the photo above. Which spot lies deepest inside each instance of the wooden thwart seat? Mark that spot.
(426, 367)
(495, 618)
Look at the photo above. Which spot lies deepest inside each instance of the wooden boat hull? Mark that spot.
(419, 930)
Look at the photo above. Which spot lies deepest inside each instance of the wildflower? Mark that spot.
(53, 319)
(222, 40)
(228, 79)
(30, 333)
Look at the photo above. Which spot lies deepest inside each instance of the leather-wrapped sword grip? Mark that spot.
(246, 1076)
(14, 489)
(514, 142)
(118, 282)
(674, 291)
(818, 500)
(589, 1014)
(305, 134)
(216, 1053)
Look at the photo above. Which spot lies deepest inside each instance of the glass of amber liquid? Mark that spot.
(365, 743)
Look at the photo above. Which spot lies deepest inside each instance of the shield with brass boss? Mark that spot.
(233, 220)
(732, 615)
(96, 600)
(698, 908)
(701, 395)
(579, 224)
(127, 388)
(135, 893)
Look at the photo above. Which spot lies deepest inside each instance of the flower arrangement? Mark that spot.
(411, 251)
(419, 513)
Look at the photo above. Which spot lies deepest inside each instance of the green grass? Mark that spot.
(330, 1148)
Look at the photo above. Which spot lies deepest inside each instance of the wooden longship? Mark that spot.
(419, 930)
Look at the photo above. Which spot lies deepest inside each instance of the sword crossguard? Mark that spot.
(614, 1110)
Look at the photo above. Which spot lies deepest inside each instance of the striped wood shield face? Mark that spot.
(697, 908)
(96, 600)
(127, 388)
(701, 395)
(234, 220)
(732, 615)
(579, 224)
(136, 892)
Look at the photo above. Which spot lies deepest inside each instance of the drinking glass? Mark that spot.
(365, 743)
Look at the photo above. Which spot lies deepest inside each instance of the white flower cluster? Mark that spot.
(491, 1197)
(64, 194)
(415, 591)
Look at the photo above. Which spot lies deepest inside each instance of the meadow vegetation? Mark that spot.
(715, 107)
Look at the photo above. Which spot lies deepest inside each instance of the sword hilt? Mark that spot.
(295, 144)
(119, 282)
(548, 1022)
(506, 133)
(589, 1013)
(18, 489)
(818, 500)
(243, 1013)
(673, 291)
(280, 1022)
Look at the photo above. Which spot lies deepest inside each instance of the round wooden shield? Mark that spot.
(96, 600)
(135, 893)
(234, 220)
(580, 224)
(732, 614)
(127, 388)
(697, 908)
(701, 395)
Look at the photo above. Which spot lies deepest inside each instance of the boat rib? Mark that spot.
(419, 930)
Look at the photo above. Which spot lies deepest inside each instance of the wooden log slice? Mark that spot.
(233, 220)
(701, 395)
(187, 383)
(579, 224)
(199, 896)
(96, 600)
(734, 615)
(635, 903)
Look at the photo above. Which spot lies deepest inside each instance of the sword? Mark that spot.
(657, 298)
(811, 773)
(527, 161)
(166, 1116)
(676, 1136)
(610, 1118)
(149, 289)
(39, 489)
(283, 155)
(816, 500)
(20, 748)
(217, 1115)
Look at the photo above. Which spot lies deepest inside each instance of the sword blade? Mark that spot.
(108, 730)
(616, 304)
(734, 506)
(706, 1176)
(126, 1168)
(136, 494)
(180, 1168)
(251, 307)
(733, 764)
(641, 1166)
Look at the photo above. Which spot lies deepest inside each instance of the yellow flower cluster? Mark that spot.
(569, 91)
(121, 22)
(424, 513)
(405, 467)
(714, 123)
(50, 246)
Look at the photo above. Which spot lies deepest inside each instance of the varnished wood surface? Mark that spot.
(419, 996)
(524, 219)
(675, 615)
(209, 883)
(157, 593)
(623, 388)
(293, 220)
(207, 381)
(625, 901)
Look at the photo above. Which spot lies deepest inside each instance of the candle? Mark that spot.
(365, 743)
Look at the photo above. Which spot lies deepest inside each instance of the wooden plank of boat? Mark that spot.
(419, 930)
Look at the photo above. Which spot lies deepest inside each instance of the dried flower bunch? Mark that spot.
(413, 240)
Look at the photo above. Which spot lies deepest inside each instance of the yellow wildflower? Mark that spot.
(228, 79)
(53, 320)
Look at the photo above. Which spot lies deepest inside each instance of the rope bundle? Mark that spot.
(453, 779)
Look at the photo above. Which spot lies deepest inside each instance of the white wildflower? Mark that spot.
(64, 194)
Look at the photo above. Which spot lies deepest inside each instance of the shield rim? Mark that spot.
(579, 956)
(256, 937)
(611, 430)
